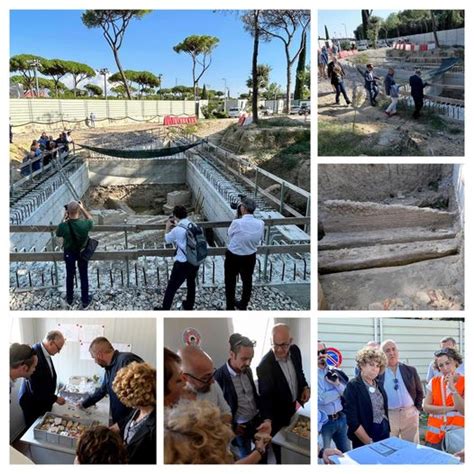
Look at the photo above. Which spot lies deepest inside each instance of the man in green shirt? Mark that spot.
(75, 232)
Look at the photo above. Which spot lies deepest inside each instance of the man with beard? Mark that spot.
(236, 380)
(103, 353)
(198, 371)
(331, 385)
(404, 393)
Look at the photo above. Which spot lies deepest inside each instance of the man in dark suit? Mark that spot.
(417, 86)
(404, 393)
(37, 394)
(281, 380)
(103, 353)
(236, 380)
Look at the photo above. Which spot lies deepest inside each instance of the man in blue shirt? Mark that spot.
(404, 393)
(331, 385)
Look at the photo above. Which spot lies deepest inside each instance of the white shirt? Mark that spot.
(177, 236)
(48, 359)
(289, 372)
(245, 234)
(215, 396)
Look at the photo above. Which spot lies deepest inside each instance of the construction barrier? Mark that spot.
(175, 120)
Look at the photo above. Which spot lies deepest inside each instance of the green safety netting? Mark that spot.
(139, 154)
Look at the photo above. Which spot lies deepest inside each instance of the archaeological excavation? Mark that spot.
(130, 199)
(391, 237)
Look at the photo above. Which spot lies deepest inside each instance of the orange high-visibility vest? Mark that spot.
(439, 424)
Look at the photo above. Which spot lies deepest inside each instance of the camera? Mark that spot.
(65, 207)
(236, 204)
(332, 375)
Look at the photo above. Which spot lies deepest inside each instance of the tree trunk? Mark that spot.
(256, 40)
(435, 31)
(124, 79)
(299, 86)
(196, 102)
(288, 81)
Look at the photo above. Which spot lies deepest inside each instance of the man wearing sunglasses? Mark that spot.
(198, 371)
(281, 381)
(404, 393)
(331, 385)
(38, 393)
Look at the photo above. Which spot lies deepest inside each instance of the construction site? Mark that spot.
(361, 129)
(391, 237)
(130, 176)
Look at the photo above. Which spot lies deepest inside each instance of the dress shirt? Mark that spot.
(177, 236)
(245, 234)
(216, 397)
(329, 395)
(289, 372)
(246, 404)
(48, 359)
(399, 398)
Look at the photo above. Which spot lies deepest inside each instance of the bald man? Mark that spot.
(75, 232)
(37, 393)
(103, 353)
(281, 379)
(198, 371)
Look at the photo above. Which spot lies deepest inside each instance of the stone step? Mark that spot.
(387, 255)
(349, 216)
(411, 284)
(337, 240)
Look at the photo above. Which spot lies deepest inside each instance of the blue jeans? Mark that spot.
(70, 258)
(340, 89)
(244, 444)
(336, 430)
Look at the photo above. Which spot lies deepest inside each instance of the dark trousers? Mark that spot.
(340, 89)
(181, 271)
(245, 436)
(70, 258)
(373, 93)
(380, 431)
(418, 106)
(242, 265)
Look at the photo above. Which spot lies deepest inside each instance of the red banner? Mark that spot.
(175, 120)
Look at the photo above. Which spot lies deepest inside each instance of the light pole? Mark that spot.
(104, 71)
(35, 63)
(225, 94)
(345, 29)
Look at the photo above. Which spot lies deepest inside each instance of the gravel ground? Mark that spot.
(211, 299)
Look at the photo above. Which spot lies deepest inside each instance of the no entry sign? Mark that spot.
(333, 357)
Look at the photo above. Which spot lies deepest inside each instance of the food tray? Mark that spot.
(295, 438)
(64, 426)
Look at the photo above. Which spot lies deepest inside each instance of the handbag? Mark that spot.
(89, 249)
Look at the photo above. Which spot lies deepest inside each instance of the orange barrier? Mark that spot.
(175, 120)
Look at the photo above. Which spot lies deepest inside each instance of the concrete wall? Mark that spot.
(52, 210)
(458, 184)
(139, 332)
(50, 111)
(445, 37)
(417, 339)
(214, 206)
(147, 171)
(375, 181)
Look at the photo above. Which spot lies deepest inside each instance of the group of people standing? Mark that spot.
(386, 397)
(221, 415)
(128, 382)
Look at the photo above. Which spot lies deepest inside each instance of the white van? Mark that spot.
(234, 112)
(362, 45)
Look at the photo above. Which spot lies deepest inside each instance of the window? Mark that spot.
(258, 329)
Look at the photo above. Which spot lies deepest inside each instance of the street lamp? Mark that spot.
(225, 94)
(104, 71)
(36, 64)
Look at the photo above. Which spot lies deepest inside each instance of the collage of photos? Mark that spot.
(161, 164)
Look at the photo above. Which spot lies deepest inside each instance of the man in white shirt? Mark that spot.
(198, 371)
(175, 233)
(245, 234)
(447, 342)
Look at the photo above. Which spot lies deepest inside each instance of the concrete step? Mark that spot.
(405, 287)
(387, 255)
(350, 216)
(337, 240)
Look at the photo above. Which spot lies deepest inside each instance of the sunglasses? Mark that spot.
(395, 384)
(204, 381)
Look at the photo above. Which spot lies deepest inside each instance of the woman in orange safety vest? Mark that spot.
(444, 400)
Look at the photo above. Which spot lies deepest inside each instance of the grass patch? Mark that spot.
(291, 156)
(281, 122)
(335, 139)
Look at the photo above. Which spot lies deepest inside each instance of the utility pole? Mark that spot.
(104, 71)
(35, 63)
(225, 94)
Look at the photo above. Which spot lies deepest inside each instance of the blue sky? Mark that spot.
(148, 45)
(336, 19)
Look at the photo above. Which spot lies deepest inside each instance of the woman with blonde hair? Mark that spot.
(366, 406)
(135, 386)
(196, 434)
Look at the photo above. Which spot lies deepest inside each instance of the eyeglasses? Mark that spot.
(284, 345)
(57, 347)
(395, 384)
(444, 352)
(204, 381)
(245, 341)
(322, 352)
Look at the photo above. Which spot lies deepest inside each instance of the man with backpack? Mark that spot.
(191, 251)
(245, 234)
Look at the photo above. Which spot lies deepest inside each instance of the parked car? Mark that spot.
(305, 109)
(266, 111)
(234, 112)
(294, 109)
